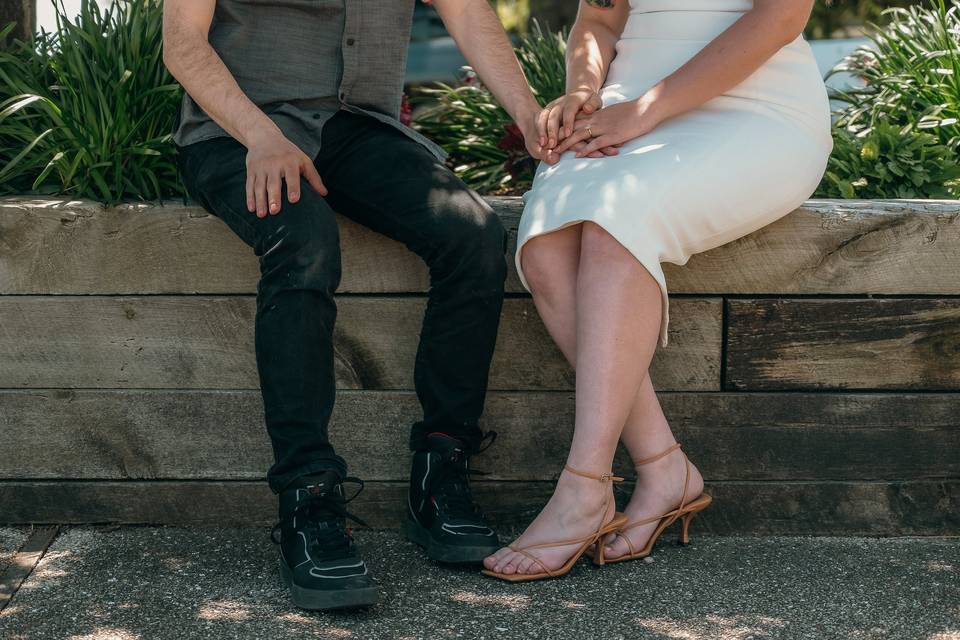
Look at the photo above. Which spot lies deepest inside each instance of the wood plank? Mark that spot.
(797, 508)
(189, 342)
(50, 246)
(218, 435)
(907, 344)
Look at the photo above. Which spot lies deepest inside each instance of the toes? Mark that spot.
(493, 561)
(525, 566)
(616, 548)
(503, 560)
(512, 563)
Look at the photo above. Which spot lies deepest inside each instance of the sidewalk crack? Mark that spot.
(24, 562)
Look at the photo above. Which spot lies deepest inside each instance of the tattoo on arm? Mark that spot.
(602, 4)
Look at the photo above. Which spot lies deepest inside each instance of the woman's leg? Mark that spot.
(659, 487)
(617, 323)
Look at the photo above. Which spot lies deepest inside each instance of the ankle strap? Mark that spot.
(604, 477)
(640, 463)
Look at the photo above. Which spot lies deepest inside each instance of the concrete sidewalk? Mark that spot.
(164, 583)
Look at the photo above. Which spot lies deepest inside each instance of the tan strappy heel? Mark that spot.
(686, 512)
(618, 521)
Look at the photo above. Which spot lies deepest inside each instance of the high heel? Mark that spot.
(615, 524)
(685, 512)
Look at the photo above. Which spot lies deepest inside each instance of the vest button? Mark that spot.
(350, 42)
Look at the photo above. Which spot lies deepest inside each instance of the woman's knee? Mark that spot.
(598, 245)
(548, 264)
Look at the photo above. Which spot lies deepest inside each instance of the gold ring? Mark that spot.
(589, 131)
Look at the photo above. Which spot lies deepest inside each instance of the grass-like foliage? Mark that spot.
(899, 136)
(485, 146)
(885, 162)
(89, 110)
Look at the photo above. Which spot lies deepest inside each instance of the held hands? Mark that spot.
(594, 131)
(272, 160)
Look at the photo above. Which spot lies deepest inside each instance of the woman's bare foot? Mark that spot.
(658, 490)
(574, 511)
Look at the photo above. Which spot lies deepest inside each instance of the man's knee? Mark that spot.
(301, 246)
(472, 245)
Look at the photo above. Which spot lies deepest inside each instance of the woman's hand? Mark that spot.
(612, 126)
(563, 111)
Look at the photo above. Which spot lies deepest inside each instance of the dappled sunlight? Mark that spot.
(514, 603)
(946, 635)
(107, 633)
(224, 610)
(938, 566)
(175, 564)
(715, 627)
(316, 623)
(568, 604)
(50, 567)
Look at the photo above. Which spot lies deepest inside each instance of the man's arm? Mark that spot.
(271, 158)
(477, 31)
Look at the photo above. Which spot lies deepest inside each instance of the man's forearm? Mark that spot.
(195, 64)
(478, 32)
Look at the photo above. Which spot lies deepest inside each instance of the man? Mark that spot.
(309, 91)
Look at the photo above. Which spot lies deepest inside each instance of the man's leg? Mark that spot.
(299, 255)
(389, 183)
(299, 252)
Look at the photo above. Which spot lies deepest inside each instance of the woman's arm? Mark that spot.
(723, 64)
(590, 50)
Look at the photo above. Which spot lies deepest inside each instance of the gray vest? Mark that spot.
(303, 60)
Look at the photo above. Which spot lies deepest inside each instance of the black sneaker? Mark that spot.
(319, 560)
(443, 517)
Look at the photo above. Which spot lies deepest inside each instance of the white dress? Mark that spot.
(702, 179)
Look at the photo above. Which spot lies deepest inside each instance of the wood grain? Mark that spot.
(219, 435)
(201, 342)
(743, 508)
(906, 344)
(50, 246)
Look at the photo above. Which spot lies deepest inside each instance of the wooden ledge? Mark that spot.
(849, 247)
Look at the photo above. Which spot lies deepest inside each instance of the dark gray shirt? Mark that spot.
(303, 60)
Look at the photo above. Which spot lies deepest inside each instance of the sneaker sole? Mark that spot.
(322, 600)
(452, 554)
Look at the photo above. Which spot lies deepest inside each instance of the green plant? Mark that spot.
(485, 146)
(845, 18)
(887, 162)
(912, 74)
(89, 109)
(898, 136)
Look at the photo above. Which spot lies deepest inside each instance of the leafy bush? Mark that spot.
(886, 162)
(845, 18)
(899, 135)
(89, 110)
(485, 146)
(912, 74)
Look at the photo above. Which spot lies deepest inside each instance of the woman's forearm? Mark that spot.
(731, 58)
(590, 50)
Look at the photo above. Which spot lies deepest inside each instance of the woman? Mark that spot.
(714, 123)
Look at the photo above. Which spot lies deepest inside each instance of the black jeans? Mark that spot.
(389, 183)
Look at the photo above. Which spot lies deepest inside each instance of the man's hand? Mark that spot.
(272, 160)
(563, 111)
